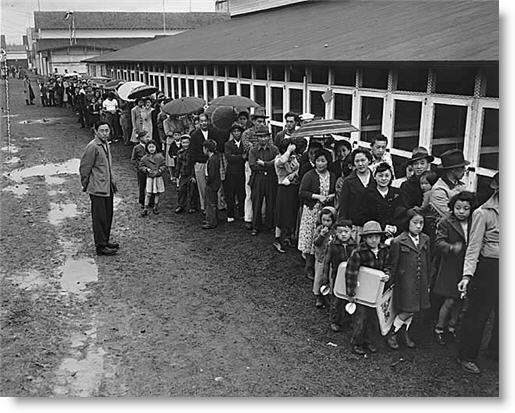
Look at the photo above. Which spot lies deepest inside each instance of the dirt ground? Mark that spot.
(179, 311)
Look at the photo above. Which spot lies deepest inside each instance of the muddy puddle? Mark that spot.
(48, 171)
(76, 273)
(12, 160)
(59, 212)
(18, 190)
(36, 138)
(10, 149)
(45, 121)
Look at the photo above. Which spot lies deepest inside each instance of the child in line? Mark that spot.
(373, 254)
(213, 183)
(323, 235)
(153, 165)
(410, 259)
(338, 251)
(427, 181)
(138, 152)
(173, 145)
(452, 236)
(186, 183)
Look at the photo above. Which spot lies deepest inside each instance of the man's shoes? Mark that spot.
(469, 366)
(144, 213)
(248, 225)
(335, 328)
(319, 301)
(156, 210)
(371, 347)
(357, 349)
(106, 251)
(113, 245)
(254, 232)
(391, 340)
(207, 226)
(178, 210)
(287, 242)
(192, 211)
(409, 342)
(230, 219)
(439, 337)
(277, 245)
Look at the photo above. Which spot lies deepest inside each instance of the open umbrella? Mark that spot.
(223, 117)
(128, 87)
(235, 101)
(142, 91)
(113, 84)
(324, 127)
(184, 106)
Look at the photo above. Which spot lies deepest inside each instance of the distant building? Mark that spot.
(421, 72)
(16, 55)
(64, 39)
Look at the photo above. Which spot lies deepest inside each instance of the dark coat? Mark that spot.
(409, 268)
(213, 178)
(310, 185)
(96, 169)
(450, 271)
(411, 193)
(350, 198)
(304, 165)
(235, 158)
(155, 163)
(341, 167)
(138, 152)
(196, 142)
(337, 252)
(376, 208)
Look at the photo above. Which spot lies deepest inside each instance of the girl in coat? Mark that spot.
(409, 268)
(451, 242)
(153, 164)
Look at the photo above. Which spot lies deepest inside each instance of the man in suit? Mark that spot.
(199, 159)
(234, 184)
(97, 180)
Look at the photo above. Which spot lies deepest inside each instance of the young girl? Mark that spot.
(323, 234)
(451, 241)
(409, 267)
(153, 164)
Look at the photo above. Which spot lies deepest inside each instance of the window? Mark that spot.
(189, 70)
(317, 104)
(246, 73)
(260, 96)
(342, 106)
(448, 128)
(220, 70)
(406, 126)
(345, 76)
(375, 78)
(489, 152)
(210, 91)
(320, 74)
(191, 85)
(169, 83)
(176, 88)
(371, 117)
(200, 86)
(233, 71)
(210, 70)
(296, 101)
(399, 166)
(232, 88)
(455, 81)
(296, 73)
(220, 88)
(492, 82)
(199, 70)
(277, 72)
(183, 87)
(412, 79)
(245, 90)
(277, 104)
(260, 72)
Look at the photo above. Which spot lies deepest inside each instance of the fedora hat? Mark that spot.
(259, 113)
(453, 158)
(261, 131)
(236, 126)
(420, 153)
(372, 228)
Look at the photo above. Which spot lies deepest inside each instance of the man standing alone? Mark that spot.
(98, 181)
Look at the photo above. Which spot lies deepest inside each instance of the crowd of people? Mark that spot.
(331, 202)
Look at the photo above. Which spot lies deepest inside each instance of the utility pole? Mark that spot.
(164, 19)
(39, 5)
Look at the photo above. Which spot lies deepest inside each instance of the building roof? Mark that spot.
(237, 7)
(91, 20)
(337, 31)
(101, 44)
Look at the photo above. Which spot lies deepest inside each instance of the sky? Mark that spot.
(17, 15)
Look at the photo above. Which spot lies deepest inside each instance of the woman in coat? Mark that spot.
(317, 189)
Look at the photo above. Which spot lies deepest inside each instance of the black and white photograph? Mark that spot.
(251, 199)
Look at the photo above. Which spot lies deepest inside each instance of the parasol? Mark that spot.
(142, 91)
(324, 127)
(235, 101)
(184, 106)
(128, 87)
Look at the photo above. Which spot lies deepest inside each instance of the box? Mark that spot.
(369, 289)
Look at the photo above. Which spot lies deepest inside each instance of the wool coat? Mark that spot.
(376, 208)
(364, 256)
(156, 164)
(337, 252)
(448, 232)
(310, 185)
(411, 193)
(95, 169)
(236, 158)
(409, 267)
(349, 202)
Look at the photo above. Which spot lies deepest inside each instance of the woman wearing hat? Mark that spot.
(411, 193)
(452, 171)
(234, 184)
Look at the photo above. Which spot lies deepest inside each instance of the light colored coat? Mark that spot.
(95, 169)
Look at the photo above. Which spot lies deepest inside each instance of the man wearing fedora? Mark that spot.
(411, 193)
(263, 180)
(449, 184)
(481, 283)
(234, 184)
(248, 139)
